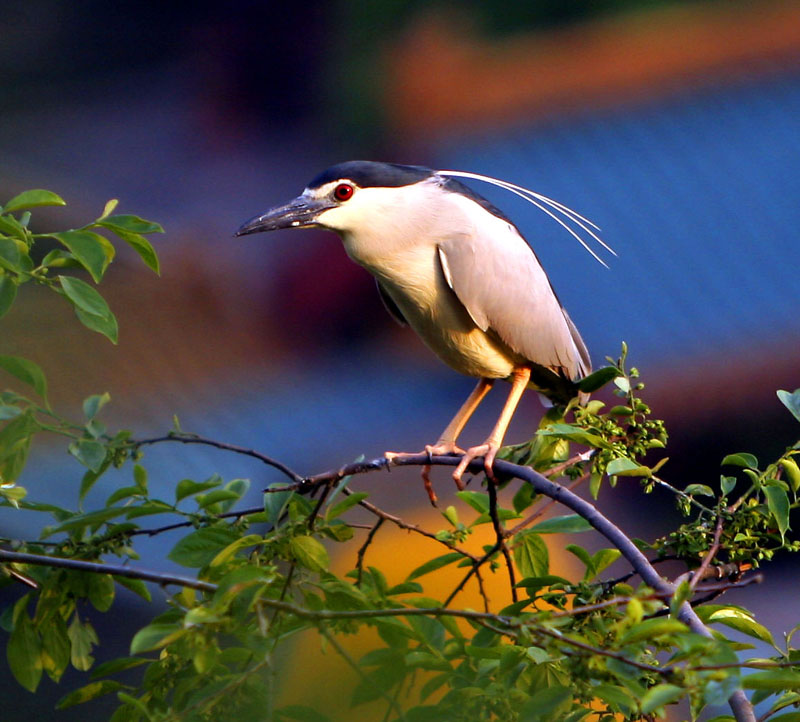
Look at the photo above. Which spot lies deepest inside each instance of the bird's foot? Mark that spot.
(488, 450)
(439, 448)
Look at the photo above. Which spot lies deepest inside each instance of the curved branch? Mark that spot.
(116, 570)
(184, 438)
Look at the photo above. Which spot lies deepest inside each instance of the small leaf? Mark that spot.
(33, 199)
(659, 696)
(131, 223)
(187, 487)
(90, 307)
(478, 500)
(92, 250)
(531, 555)
(142, 246)
(791, 401)
(775, 680)
(90, 453)
(8, 292)
(547, 704)
(778, 505)
(727, 484)
(93, 404)
(200, 547)
(108, 209)
(23, 650)
(699, 490)
(433, 564)
(91, 691)
(569, 524)
(154, 636)
(652, 628)
(26, 371)
(742, 622)
(84, 296)
(309, 553)
(598, 379)
(623, 466)
(746, 461)
(346, 503)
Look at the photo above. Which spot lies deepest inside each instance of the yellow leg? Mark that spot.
(447, 440)
(489, 448)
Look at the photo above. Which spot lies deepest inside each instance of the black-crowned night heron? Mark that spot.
(457, 270)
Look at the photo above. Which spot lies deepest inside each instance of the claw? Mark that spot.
(488, 451)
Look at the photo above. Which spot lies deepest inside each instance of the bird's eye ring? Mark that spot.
(343, 192)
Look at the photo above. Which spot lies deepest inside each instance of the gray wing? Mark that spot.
(501, 283)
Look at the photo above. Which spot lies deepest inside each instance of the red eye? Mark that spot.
(343, 192)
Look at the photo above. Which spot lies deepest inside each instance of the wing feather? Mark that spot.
(501, 283)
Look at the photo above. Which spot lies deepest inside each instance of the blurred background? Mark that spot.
(673, 125)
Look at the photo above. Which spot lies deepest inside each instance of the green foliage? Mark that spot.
(80, 248)
(585, 646)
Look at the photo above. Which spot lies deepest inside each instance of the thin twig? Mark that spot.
(185, 438)
(500, 537)
(712, 551)
(363, 548)
(113, 569)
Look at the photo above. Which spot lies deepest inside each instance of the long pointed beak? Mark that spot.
(298, 213)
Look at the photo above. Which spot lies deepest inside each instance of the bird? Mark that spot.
(456, 269)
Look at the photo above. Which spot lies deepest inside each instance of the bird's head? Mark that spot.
(347, 198)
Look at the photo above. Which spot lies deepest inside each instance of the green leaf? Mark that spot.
(10, 226)
(90, 307)
(187, 487)
(433, 564)
(478, 500)
(33, 199)
(200, 547)
(618, 698)
(276, 503)
(699, 490)
(82, 638)
(246, 541)
(778, 505)
(622, 466)
(746, 461)
(568, 524)
(155, 635)
(652, 628)
(598, 379)
(127, 222)
(743, 622)
(93, 251)
(547, 704)
(141, 245)
(574, 433)
(101, 591)
(8, 292)
(26, 371)
(93, 404)
(137, 586)
(604, 558)
(216, 496)
(90, 453)
(83, 296)
(791, 401)
(23, 650)
(91, 691)
(346, 503)
(727, 484)
(309, 553)
(775, 680)
(661, 695)
(531, 555)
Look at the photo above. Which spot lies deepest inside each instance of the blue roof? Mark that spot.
(698, 193)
